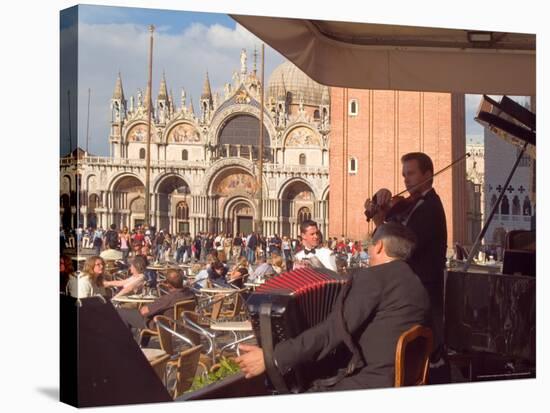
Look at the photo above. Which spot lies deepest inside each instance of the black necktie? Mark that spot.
(311, 251)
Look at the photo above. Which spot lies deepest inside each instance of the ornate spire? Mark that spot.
(255, 58)
(281, 92)
(206, 90)
(172, 105)
(163, 90)
(183, 98)
(191, 108)
(118, 92)
(243, 62)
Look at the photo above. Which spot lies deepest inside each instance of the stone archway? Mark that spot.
(137, 212)
(91, 216)
(239, 213)
(297, 202)
(171, 191)
(125, 190)
(230, 184)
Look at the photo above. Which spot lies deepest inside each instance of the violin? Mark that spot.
(399, 207)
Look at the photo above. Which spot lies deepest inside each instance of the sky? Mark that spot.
(186, 46)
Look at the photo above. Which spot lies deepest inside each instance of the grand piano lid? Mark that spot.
(509, 121)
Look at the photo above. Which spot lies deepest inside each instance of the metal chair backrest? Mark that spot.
(412, 356)
(193, 334)
(164, 325)
(188, 362)
(181, 306)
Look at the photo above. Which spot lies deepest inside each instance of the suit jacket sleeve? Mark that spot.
(318, 341)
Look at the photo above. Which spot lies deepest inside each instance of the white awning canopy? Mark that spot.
(389, 57)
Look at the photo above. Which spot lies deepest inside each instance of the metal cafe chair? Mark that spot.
(177, 310)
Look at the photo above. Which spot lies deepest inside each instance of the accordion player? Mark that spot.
(285, 306)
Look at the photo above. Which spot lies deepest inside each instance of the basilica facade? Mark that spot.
(204, 161)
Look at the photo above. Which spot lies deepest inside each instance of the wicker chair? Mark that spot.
(177, 310)
(186, 368)
(168, 335)
(159, 365)
(412, 356)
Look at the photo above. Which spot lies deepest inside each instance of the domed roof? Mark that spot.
(288, 78)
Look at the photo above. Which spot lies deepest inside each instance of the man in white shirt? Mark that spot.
(311, 252)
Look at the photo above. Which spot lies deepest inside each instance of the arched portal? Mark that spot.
(91, 217)
(239, 215)
(297, 203)
(230, 184)
(125, 191)
(182, 217)
(137, 212)
(171, 191)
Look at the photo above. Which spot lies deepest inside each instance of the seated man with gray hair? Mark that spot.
(143, 318)
(374, 308)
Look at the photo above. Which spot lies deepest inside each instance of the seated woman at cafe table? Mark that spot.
(239, 273)
(90, 281)
(202, 276)
(176, 292)
(217, 273)
(135, 282)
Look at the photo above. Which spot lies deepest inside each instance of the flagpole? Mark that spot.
(148, 153)
(259, 227)
(88, 122)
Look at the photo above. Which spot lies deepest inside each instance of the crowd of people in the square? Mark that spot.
(226, 257)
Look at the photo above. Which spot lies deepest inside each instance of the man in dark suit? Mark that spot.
(381, 303)
(426, 218)
(143, 318)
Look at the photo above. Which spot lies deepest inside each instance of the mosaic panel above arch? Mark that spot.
(184, 133)
(138, 133)
(128, 184)
(305, 195)
(233, 182)
(302, 136)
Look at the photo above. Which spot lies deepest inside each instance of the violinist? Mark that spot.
(423, 213)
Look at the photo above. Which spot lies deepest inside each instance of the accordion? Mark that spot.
(287, 305)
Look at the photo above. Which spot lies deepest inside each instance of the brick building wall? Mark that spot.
(387, 125)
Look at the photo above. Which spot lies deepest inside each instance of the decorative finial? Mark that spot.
(243, 61)
(255, 59)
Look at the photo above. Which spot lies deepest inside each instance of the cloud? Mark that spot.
(474, 129)
(106, 49)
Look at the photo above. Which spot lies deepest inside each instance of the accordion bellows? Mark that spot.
(295, 300)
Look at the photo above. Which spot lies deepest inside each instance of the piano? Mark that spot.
(490, 313)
